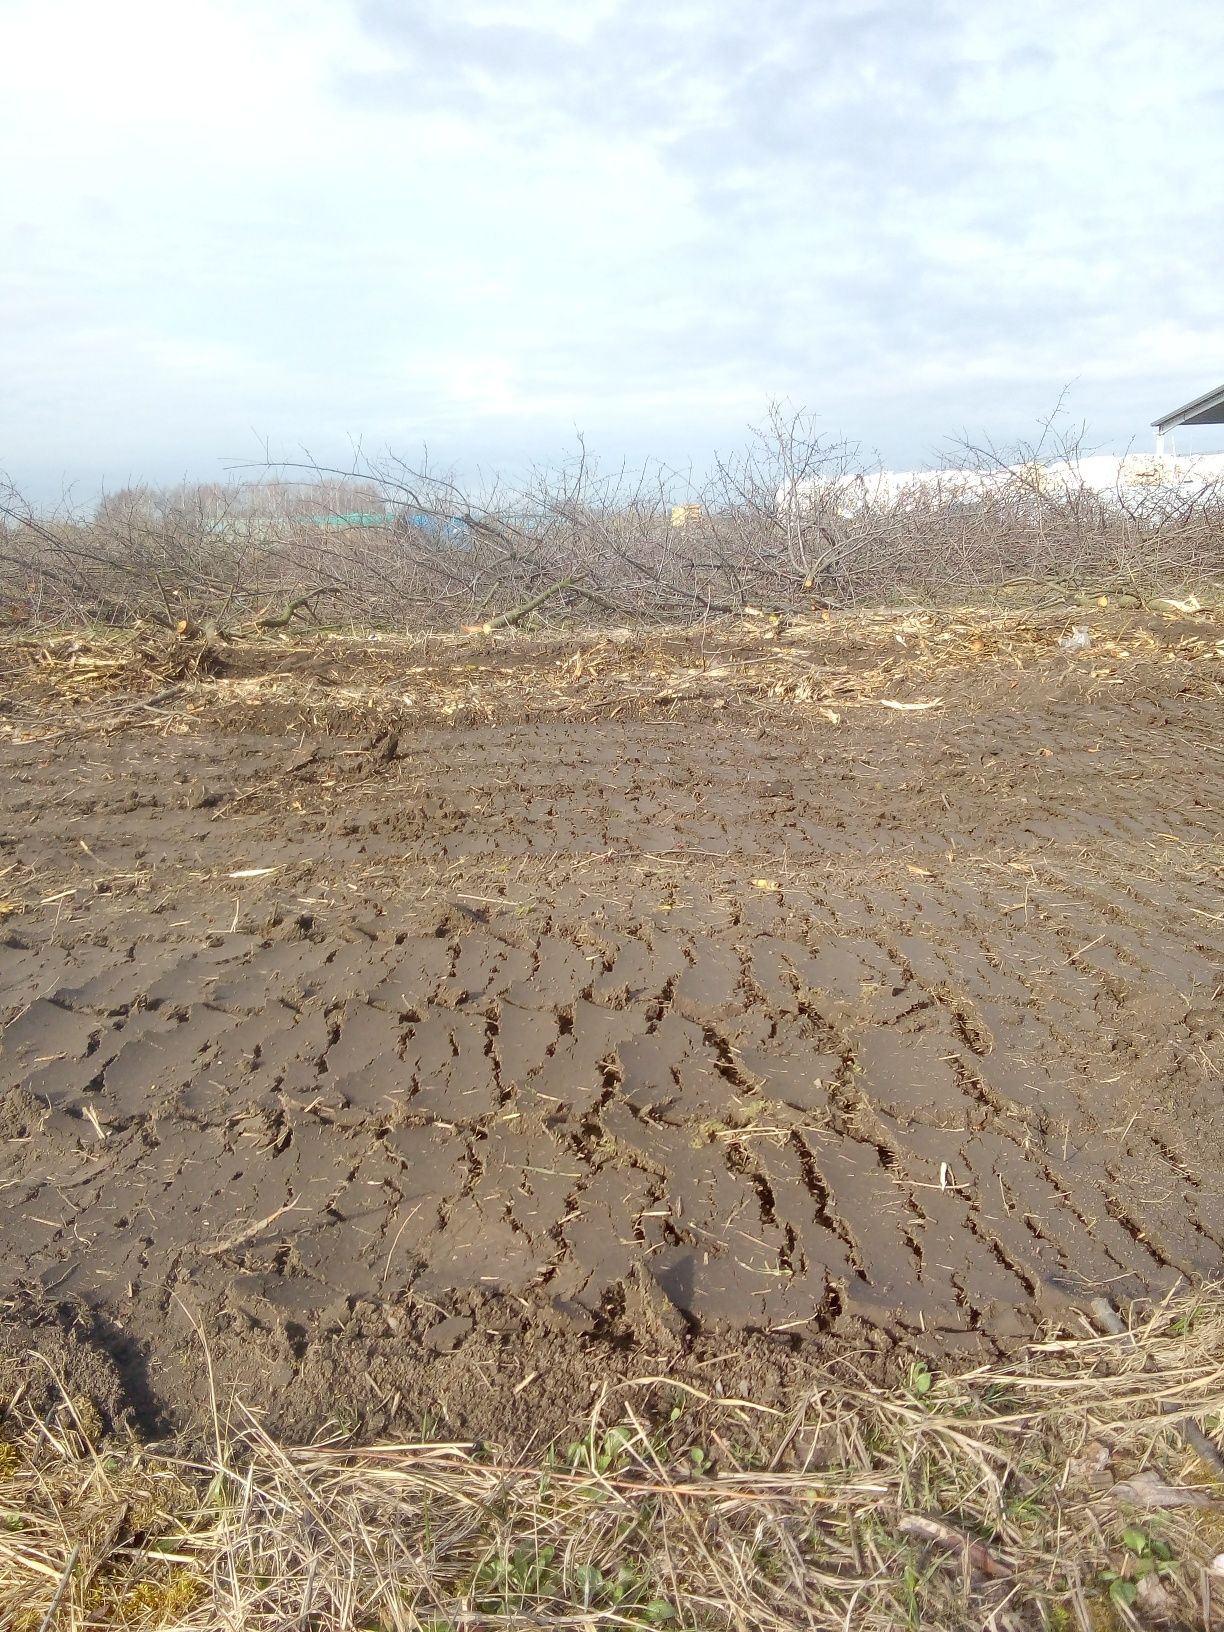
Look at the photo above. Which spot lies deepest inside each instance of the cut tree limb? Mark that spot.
(597, 600)
(279, 620)
(213, 632)
(508, 620)
(938, 1534)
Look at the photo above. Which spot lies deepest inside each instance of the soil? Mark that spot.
(457, 1062)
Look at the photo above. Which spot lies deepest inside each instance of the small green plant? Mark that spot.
(590, 1582)
(505, 1585)
(598, 1455)
(921, 1380)
(1146, 1547)
(1028, 1506)
(621, 1592)
(1149, 1556)
(511, 1584)
(217, 1495)
(658, 1612)
(913, 1581)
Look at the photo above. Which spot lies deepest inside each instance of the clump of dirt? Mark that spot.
(66, 1362)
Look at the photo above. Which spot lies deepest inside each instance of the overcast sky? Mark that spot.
(485, 223)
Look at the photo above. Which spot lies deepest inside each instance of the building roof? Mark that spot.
(1205, 410)
(351, 518)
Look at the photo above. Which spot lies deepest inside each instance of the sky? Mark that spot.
(239, 228)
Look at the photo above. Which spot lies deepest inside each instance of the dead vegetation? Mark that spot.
(1055, 1490)
(395, 546)
(824, 662)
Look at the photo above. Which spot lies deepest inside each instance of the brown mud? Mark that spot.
(448, 1063)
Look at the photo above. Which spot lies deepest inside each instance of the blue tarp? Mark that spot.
(448, 526)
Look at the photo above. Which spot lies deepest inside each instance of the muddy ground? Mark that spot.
(440, 1034)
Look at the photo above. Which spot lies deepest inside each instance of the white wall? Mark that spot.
(1134, 479)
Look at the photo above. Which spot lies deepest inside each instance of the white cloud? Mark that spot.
(487, 221)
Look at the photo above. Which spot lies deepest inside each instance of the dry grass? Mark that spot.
(1055, 1491)
(90, 684)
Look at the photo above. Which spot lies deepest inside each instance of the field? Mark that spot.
(455, 1032)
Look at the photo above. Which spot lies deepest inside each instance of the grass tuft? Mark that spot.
(1060, 1490)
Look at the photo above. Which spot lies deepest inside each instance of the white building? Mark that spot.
(1151, 482)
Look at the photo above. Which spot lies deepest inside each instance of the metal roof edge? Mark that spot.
(1178, 416)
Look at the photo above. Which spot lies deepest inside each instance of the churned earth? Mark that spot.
(447, 1033)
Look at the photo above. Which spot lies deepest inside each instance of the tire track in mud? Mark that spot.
(934, 1097)
(804, 1140)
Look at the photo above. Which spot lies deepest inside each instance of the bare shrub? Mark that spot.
(791, 520)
